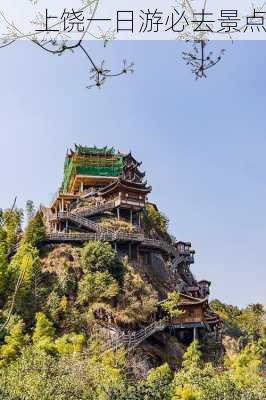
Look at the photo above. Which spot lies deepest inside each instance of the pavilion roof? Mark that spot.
(121, 184)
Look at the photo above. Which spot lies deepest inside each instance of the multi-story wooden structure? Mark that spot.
(102, 197)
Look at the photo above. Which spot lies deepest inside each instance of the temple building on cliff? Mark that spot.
(103, 197)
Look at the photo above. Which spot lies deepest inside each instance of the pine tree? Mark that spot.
(192, 357)
(34, 230)
(43, 328)
(14, 342)
(43, 334)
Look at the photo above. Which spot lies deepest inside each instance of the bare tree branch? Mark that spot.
(59, 46)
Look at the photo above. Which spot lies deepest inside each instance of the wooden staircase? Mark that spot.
(182, 258)
(81, 221)
(134, 339)
(90, 212)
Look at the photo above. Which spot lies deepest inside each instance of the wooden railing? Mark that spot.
(110, 235)
(89, 212)
(184, 258)
(48, 214)
(103, 236)
(83, 222)
(78, 237)
(134, 339)
(168, 248)
(133, 237)
(56, 194)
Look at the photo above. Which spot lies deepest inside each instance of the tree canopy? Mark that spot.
(52, 345)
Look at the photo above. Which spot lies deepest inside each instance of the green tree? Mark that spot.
(43, 328)
(106, 373)
(100, 257)
(12, 220)
(192, 357)
(30, 210)
(70, 344)
(98, 286)
(239, 379)
(14, 343)
(248, 323)
(157, 385)
(172, 304)
(35, 230)
(24, 260)
(153, 220)
(43, 333)
(251, 321)
(186, 392)
(137, 299)
(3, 256)
(21, 271)
(39, 375)
(245, 366)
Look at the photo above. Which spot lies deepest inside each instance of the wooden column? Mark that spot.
(118, 213)
(129, 251)
(138, 260)
(195, 333)
(131, 217)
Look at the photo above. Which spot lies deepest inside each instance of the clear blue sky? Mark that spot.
(202, 143)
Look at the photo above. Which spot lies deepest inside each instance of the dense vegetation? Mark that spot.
(51, 344)
(154, 221)
(247, 324)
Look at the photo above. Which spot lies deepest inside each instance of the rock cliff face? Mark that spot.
(59, 282)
